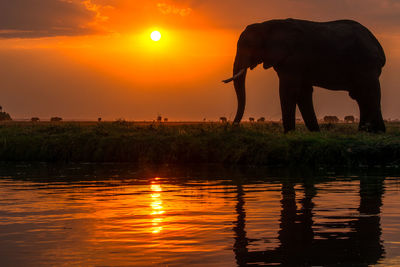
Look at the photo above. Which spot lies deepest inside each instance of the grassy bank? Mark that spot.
(258, 144)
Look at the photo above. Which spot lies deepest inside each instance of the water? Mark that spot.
(119, 215)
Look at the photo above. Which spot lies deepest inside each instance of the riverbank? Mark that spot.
(251, 143)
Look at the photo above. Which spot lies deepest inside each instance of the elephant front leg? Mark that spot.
(306, 107)
(287, 93)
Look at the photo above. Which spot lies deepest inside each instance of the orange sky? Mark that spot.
(83, 59)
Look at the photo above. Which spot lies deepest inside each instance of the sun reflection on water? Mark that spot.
(156, 207)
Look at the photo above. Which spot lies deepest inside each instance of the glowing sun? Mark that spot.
(155, 36)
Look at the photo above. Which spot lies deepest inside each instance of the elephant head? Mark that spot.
(258, 43)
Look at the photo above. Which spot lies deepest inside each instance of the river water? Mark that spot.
(121, 215)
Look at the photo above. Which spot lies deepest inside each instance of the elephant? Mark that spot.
(349, 119)
(336, 55)
(331, 119)
(223, 119)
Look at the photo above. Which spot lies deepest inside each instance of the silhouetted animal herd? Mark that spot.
(326, 119)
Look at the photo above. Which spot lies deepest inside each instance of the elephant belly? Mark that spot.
(332, 81)
(333, 86)
(341, 78)
(330, 78)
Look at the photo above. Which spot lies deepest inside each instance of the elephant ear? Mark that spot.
(280, 39)
(252, 43)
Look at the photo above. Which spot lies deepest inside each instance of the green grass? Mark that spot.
(254, 144)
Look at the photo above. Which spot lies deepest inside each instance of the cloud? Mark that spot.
(380, 14)
(167, 9)
(383, 15)
(44, 18)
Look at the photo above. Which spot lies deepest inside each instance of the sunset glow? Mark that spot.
(169, 58)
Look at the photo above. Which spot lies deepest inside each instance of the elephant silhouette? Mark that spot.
(349, 119)
(336, 55)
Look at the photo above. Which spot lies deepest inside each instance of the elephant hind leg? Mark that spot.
(368, 97)
(306, 107)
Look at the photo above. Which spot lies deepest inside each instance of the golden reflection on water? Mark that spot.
(156, 207)
(166, 221)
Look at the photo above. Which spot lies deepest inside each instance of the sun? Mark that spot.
(155, 36)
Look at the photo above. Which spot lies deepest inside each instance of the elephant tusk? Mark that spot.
(237, 75)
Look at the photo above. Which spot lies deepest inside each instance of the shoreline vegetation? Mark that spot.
(169, 142)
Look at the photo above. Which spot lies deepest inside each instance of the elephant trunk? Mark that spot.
(240, 88)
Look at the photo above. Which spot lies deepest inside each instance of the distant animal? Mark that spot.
(4, 116)
(349, 119)
(165, 119)
(35, 119)
(331, 119)
(251, 119)
(55, 119)
(223, 119)
(262, 119)
(336, 55)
